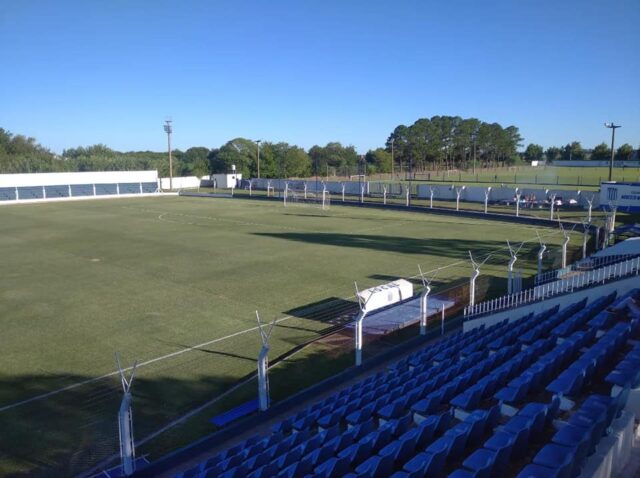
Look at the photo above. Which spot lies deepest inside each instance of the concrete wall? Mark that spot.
(596, 164)
(99, 177)
(182, 182)
(444, 192)
(622, 287)
(476, 194)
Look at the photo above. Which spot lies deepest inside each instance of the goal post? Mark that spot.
(305, 197)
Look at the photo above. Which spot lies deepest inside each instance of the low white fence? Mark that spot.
(579, 280)
(582, 265)
(445, 191)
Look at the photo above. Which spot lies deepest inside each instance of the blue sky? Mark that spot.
(308, 72)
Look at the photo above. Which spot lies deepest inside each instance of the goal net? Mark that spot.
(300, 197)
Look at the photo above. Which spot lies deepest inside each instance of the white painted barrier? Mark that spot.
(95, 177)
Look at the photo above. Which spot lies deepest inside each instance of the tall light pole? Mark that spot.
(258, 141)
(613, 127)
(392, 161)
(169, 129)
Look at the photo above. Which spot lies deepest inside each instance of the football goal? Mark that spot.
(303, 197)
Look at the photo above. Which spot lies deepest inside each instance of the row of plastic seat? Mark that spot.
(626, 373)
(392, 421)
(487, 386)
(509, 441)
(581, 317)
(569, 447)
(544, 327)
(606, 318)
(539, 373)
(571, 381)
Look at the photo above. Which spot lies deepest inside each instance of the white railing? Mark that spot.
(578, 280)
(584, 264)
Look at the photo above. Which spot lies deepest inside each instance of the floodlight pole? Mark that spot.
(125, 422)
(613, 127)
(168, 128)
(359, 319)
(263, 364)
(424, 302)
(486, 198)
(518, 195)
(431, 198)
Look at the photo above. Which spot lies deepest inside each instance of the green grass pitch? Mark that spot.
(153, 277)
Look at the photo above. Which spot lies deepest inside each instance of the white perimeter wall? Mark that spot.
(183, 182)
(476, 194)
(595, 164)
(55, 179)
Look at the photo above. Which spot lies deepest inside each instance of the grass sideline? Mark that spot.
(154, 276)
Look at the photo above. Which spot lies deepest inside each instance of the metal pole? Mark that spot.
(258, 141)
(169, 129)
(613, 127)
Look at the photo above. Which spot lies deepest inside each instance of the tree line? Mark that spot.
(574, 152)
(440, 142)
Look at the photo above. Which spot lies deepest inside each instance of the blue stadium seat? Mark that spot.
(332, 468)
(557, 457)
(481, 462)
(577, 438)
(376, 467)
(456, 439)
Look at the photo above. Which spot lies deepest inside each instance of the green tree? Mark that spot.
(602, 152)
(533, 152)
(573, 152)
(624, 152)
(553, 153)
(378, 161)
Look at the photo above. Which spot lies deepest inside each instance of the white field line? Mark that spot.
(204, 344)
(141, 364)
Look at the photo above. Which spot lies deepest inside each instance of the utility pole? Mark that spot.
(613, 127)
(258, 141)
(169, 129)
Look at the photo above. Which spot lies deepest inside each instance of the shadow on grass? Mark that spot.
(457, 248)
(71, 432)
